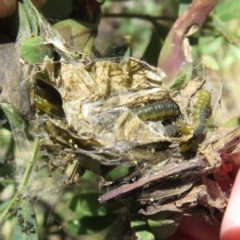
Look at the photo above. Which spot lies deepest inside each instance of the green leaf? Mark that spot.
(164, 224)
(26, 31)
(31, 21)
(228, 10)
(234, 122)
(183, 77)
(89, 225)
(142, 230)
(178, 82)
(92, 217)
(152, 51)
(12, 115)
(17, 125)
(87, 204)
(38, 26)
(118, 172)
(34, 50)
(78, 34)
(6, 137)
(224, 30)
(25, 226)
(145, 235)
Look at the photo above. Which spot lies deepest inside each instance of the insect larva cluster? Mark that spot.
(169, 110)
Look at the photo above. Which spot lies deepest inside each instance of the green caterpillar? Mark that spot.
(201, 111)
(157, 111)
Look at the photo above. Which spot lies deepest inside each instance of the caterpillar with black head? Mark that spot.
(200, 113)
(157, 111)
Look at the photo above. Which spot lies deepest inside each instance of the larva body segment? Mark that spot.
(157, 111)
(186, 146)
(47, 99)
(184, 127)
(44, 106)
(170, 130)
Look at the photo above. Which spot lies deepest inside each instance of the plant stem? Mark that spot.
(10, 210)
(30, 166)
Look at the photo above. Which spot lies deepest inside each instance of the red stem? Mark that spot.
(172, 57)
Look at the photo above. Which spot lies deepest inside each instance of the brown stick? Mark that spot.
(145, 182)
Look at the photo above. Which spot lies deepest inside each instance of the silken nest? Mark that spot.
(151, 142)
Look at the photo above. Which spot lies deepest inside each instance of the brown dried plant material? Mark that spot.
(99, 101)
(207, 194)
(212, 196)
(182, 97)
(178, 182)
(94, 92)
(102, 128)
(179, 188)
(197, 198)
(175, 168)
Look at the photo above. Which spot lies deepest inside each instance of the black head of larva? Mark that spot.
(158, 110)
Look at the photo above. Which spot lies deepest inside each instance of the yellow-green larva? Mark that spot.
(200, 113)
(184, 127)
(157, 111)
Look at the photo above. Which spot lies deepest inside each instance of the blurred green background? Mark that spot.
(74, 212)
